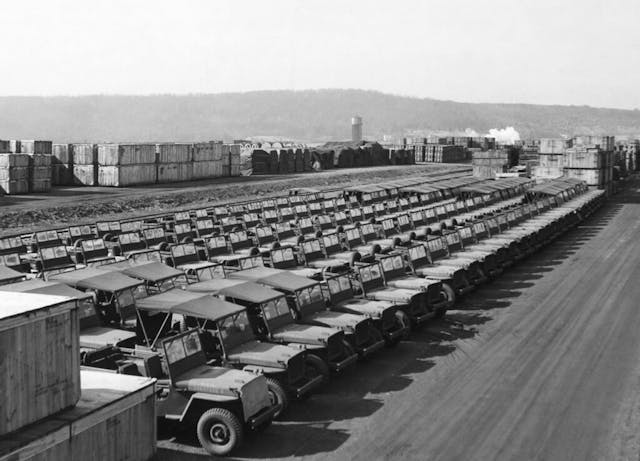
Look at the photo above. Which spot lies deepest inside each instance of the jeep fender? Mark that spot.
(262, 370)
(306, 347)
(199, 402)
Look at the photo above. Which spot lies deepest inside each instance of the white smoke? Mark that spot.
(507, 135)
(471, 133)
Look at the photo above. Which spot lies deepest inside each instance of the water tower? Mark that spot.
(356, 128)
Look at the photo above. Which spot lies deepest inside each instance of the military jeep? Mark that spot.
(220, 403)
(298, 317)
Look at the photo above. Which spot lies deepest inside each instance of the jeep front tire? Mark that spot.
(278, 396)
(219, 431)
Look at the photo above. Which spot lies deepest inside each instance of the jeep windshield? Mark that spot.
(276, 313)
(371, 276)
(418, 254)
(392, 264)
(340, 288)
(310, 299)
(235, 330)
(128, 297)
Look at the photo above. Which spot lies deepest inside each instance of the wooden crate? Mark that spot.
(583, 157)
(61, 153)
(126, 175)
(114, 420)
(40, 359)
(85, 175)
(14, 186)
(551, 160)
(552, 146)
(208, 169)
(175, 153)
(126, 154)
(83, 154)
(175, 172)
(61, 174)
(203, 152)
(593, 177)
(14, 160)
(40, 185)
(14, 174)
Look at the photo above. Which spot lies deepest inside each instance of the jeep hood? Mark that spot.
(369, 307)
(413, 283)
(304, 334)
(262, 354)
(340, 320)
(395, 295)
(217, 381)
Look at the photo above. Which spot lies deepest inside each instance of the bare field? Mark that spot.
(542, 364)
(78, 205)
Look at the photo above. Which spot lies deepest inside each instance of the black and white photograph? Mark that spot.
(320, 230)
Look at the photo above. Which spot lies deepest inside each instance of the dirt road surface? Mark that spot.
(543, 364)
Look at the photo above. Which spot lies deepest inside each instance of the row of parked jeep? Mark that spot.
(238, 309)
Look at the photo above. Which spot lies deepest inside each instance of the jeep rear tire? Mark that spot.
(278, 396)
(219, 431)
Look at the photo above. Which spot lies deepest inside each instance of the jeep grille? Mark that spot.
(388, 319)
(362, 333)
(334, 346)
(295, 368)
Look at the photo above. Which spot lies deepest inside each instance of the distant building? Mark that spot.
(356, 128)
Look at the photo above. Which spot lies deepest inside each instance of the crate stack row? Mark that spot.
(257, 160)
(53, 410)
(590, 159)
(440, 153)
(467, 142)
(133, 164)
(587, 158)
(207, 159)
(551, 158)
(487, 164)
(25, 166)
(61, 165)
(121, 165)
(627, 155)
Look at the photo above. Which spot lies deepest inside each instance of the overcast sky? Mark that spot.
(532, 51)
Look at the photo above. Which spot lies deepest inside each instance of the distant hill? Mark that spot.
(310, 115)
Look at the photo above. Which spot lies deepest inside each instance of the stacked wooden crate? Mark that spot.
(14, 171)
(84, 160)
(590, 164)
(629, 154)
(604, 143)
(175, 162)
(551, 158)
(39, 164)
(126, 164)
(254, 161)
(487, 164)
(299, 161)
(234, 160)
(40, 172)
(61, 165)
(207, 160)
(440, 153)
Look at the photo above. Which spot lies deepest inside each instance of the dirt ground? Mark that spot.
(542, 364)
(79, 205)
